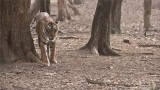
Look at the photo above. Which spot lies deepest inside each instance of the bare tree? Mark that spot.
(116, 16)
(16, 42)
(147, 14)
(72, 6)
(63, 11)
(39, 5)
(45, 6)
(99, 42)
(34, 9)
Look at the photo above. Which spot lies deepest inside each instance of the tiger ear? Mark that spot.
(57, 23)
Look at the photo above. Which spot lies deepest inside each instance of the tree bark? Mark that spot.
(99, 42)
(16, 42)
(45, 6)
(147, 14)
(78, 2)
(116, 16)
(63, 13)
(72, 6)
(34, 9)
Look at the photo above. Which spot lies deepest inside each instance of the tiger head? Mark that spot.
(51, 30)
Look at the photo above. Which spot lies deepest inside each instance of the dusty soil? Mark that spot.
(138, 67)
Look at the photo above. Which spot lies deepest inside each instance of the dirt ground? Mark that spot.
(138, 67)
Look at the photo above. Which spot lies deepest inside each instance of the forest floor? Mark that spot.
(138, 67)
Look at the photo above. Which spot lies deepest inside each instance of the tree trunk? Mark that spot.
(78, 2)
(147, 14)
(116, 16)
(15, 42)
(63, 11)
(71, 5)
(99, 42)
(45, 6)
(34, 9)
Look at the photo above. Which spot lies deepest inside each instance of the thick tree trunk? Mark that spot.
(78, 2)
(147, 14)
(63, 11)
(45, 6)
(15, 37)
(99, 42)
(116, 16)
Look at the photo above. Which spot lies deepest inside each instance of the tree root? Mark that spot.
(107, 51)
(34, 58)
(90, 50)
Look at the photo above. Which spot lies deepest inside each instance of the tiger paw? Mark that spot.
(47, 64)
(53, 61)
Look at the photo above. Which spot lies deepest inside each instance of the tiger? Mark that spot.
(47, 31)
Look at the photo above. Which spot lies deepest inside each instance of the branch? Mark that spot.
(150, 45)
(67, 37)
(102, 83)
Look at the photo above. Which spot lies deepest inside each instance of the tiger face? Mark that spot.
(51, 31)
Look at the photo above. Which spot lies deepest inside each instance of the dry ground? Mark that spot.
(138, 68)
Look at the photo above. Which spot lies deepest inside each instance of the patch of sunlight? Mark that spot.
(53, 1)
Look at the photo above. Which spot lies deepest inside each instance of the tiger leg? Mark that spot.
(53, 52)
(44, 57)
